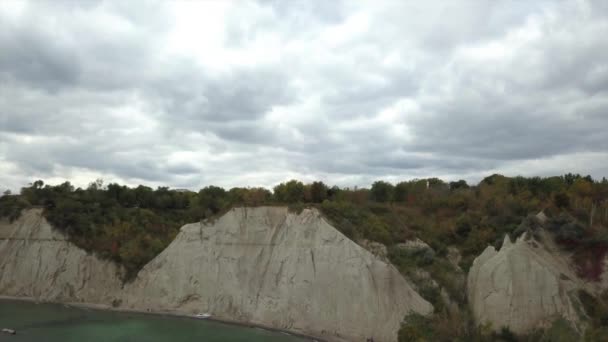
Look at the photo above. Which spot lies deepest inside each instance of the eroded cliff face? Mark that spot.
(524, 285)
(290, 271)
(253, 265)
(38, 262)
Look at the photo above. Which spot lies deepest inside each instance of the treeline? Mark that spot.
(132, 225)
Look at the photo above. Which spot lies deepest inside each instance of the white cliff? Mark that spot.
(262, 266)
(524, 285)
(289, 271)
(38, 262)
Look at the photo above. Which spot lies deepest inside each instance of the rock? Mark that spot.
(262, 265)
(541, 217)
(454, 257)
(412, 245)
(290, 271)
(376, 248)
(522, 286)
(37, 261)
(9, 331)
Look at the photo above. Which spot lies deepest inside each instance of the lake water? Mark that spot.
(54, 323)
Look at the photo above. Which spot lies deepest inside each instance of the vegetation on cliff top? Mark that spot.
(132, 225)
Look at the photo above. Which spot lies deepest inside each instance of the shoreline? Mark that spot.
(105, 307)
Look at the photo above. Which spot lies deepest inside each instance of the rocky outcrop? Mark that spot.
(38, 262)
(414, 245)
(262, 266)
(454, 257)
(269, 266)
(376, 248)
(524, 285)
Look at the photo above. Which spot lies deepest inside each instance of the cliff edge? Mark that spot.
(38, 262)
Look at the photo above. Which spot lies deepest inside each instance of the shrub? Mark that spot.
(560, 331)
(566, 229)
(595, 308)
(416, 327)
(11, 206)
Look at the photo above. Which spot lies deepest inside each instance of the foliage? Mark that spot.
(359, 222)
(448, 327)
(290, 192)
(131, 225)
(589, 246)
(382, 191)
(559, 331)
(318, 192)
(417, 327)
(595, 308)
(596, 334)
(566, 229)
(11, 206)
(460, 327)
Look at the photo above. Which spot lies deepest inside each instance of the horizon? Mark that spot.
(104, 184)
(256, 93)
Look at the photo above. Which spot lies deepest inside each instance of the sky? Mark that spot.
(253, 93)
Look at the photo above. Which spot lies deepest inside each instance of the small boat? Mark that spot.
(202, 315)
(9, 331)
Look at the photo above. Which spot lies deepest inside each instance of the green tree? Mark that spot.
(382, 191)
(461, 184)
(400, 192)
(212, 198)
(290, 192)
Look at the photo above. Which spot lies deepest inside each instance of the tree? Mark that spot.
(318, 192)
(400, 192)
(570, 178)
(561, 200)
(461, 184)
(333, 193)
(237, 195)
(65, 187)
(213, 198)
(144, 196)
(382, 191)
(256, 196)
(493, 179)
(7, 192)
(290, 192)
(436, 183)
(38, 184)
(114, 190)
(96, 185)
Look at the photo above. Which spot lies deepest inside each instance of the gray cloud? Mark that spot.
(266, 91)
(197, 99)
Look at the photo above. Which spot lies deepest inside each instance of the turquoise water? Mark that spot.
(55, 323)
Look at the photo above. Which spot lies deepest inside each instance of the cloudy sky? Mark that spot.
(252, 93)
